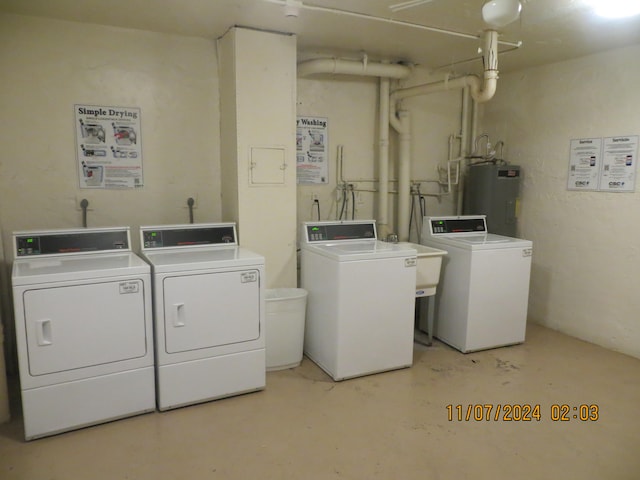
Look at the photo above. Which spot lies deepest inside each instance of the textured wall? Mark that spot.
(48, 66)
(586, 251)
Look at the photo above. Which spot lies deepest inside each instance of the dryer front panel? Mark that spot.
(77, 326)
(211, 309)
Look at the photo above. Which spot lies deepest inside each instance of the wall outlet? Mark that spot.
(314, 197)
(81, 197)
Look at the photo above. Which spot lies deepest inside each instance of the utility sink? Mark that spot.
(428, 271)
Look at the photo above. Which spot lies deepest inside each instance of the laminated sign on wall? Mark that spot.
(619, 163)
(606, 165)
(108, 146)
(311, 150)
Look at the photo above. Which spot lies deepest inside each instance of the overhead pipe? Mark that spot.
(299, 5)
(481, 91)
(353, 67)
(385, 71)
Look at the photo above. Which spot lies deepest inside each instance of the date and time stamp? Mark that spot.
(511, 412)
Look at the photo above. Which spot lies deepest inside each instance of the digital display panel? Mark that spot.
(184, 237)
(342, 231)
(71, 243)
(459, 225)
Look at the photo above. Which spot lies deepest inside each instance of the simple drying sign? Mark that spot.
(108, 147)
(603, 164)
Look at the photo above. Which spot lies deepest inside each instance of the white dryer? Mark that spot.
(483, 295)
(361, 301)
(209, 310)
(83, 319)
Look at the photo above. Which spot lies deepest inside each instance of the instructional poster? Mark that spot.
(311, 150)
(584, 164)
(619, 163)
(108, 146)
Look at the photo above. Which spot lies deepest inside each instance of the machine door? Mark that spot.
(211, 309)
(77, 326)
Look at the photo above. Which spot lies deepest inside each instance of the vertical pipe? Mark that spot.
(404, 176)
(464, 130)
(190, 203)
(474, 125)
(383, 161)
(464, 147)
(84, 204)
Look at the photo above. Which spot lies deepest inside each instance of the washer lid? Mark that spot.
(365, 250)
(61, 268)
(481, 242)
(171, 260)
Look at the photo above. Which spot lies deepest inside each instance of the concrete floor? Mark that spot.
(391, 426)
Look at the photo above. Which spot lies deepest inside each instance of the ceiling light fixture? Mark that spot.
(615, 8)
(499, 13)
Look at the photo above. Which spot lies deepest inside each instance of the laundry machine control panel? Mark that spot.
(29, 244)
(458, 225)
(188, 235)
(340, 231)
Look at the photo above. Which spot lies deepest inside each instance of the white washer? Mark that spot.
(483, 294)
(361, 301)
(83, 320)
(209, 309)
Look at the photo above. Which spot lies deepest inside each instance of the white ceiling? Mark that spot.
(550, 30)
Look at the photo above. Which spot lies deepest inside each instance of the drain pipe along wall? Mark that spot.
(480, 92)
(385, 71)
(391, 114)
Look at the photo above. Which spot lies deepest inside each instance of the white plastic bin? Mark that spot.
(284, 332)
